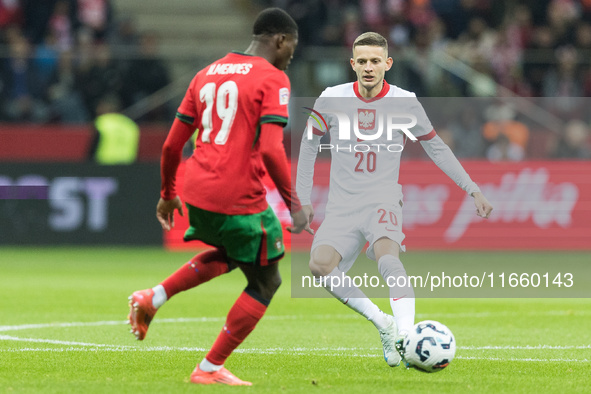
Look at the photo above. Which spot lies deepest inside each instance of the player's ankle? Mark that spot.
(159, 297)
(381, 320)
(207, 366)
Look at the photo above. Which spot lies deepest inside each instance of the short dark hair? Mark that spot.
(274, 21)
(371, 39)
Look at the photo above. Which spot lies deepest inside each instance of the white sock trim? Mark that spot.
(206, 366)
(160, 296)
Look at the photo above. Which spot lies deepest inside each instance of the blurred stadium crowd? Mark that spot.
(66, 60)
(69, 60)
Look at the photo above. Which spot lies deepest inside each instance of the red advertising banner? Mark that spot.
(543, 205)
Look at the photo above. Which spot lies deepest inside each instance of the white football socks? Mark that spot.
(354, 298)
(206, 366)
(402, 295)
(159, 297)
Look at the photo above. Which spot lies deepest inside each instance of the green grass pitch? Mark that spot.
(62, 330)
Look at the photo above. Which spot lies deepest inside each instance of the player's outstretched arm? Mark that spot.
(444, 158)
(483, 207)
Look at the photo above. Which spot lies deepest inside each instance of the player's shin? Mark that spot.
(402, 297)
(341, 287)
(242, 319)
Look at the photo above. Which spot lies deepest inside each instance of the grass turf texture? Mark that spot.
(300, 346)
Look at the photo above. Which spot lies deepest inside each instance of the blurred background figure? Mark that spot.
(507, 137)
(146, 75)
(102, 76)
(10, 13)
(465, 129)
(117, 136)
(574, 142)
(64, 96)
(61, 25)
(502, 149)
(96, 15)
(21, 86)
(563, 82)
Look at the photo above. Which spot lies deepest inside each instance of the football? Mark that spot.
(429, 347)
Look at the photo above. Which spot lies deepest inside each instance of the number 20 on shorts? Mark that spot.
(387, 217)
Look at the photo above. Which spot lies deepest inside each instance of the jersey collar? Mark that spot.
(383, 92)
(241, 53)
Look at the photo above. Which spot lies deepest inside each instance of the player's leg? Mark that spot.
(340, 285)
(255, 244)
(246, 312)
(401, 292)
(383, 229)
(200, 269)
(338, 238)
(204, 226)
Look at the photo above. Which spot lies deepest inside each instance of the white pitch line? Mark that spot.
(289, 317)
(502, 314)
(284, 352)
(158, 321)
(538, 360)
(57, 342)
(272, 350)
(526, 347)
(104, 323)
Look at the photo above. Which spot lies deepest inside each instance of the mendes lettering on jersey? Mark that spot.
(229, 68)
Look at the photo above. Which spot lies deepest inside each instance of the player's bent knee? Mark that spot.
(319, 269)
(323, 260)
(386, 246)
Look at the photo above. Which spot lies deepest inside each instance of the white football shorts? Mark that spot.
(348, 232)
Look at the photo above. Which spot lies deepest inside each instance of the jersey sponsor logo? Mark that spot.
(283, 96)
(367, 118)
(229, 68)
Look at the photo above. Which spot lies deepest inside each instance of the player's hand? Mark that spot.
(483, 207)
(300, 223)
(309, 211)
(165, 212)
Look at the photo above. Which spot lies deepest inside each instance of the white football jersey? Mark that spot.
(367, 137)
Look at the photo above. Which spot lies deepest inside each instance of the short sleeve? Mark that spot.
(187, 111)
(276, 92)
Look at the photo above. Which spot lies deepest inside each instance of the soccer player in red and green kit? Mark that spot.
(239, 105)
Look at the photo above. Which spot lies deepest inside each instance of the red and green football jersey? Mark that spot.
(227, 102)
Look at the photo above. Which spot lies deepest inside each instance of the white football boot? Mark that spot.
(389, 335)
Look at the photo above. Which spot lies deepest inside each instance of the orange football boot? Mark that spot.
(222, 376)
(141, 312)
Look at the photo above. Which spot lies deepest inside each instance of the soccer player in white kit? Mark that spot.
(365, 199)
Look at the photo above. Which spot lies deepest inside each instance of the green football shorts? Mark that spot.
(252, 239)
